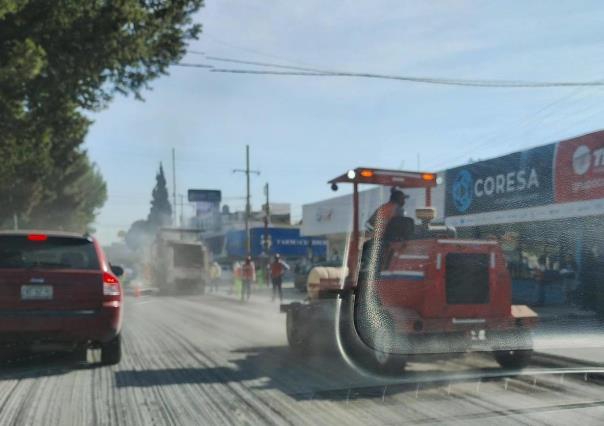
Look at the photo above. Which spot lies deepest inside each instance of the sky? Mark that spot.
(303, 131)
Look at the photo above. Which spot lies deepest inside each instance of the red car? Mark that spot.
(57, 289)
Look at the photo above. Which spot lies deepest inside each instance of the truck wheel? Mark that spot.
(514, 359)
(111, 352)
(298, 335)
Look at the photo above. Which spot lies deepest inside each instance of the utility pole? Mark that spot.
(267, 218)
(174, 184)
(248, 207)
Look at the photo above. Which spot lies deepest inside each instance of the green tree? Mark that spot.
(58, 58)
(161, 209)
(142, 232)
(70, 200)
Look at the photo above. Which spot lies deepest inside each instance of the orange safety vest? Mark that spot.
(277, 269)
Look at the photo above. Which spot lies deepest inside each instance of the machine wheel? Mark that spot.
(383, 359)
(514, 350)
(513, 359)
(111, 352)
(298, 335)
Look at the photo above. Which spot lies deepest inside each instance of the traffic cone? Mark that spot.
(137, 291)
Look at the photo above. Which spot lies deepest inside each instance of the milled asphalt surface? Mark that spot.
(213, 360)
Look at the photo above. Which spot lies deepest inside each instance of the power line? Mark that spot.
(253, 51)
(485, 141)
(187, 65)
(268, 64)
(426, 80)
(315, 72)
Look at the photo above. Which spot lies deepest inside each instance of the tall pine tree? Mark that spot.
(161, 209)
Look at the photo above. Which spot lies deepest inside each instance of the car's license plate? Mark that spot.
(36, 292)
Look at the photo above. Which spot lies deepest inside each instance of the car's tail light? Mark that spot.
(37, 237)
(111, 285)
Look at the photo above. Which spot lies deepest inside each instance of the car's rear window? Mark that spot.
(18, 251)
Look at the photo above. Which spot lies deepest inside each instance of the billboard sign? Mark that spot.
(204, 195)
(518, 180)
(207, 206)
(579, 168)
(286, 241)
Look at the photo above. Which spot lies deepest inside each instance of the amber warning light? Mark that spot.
(428, 176)
(367, 173)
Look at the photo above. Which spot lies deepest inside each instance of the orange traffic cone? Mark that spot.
(137, 291)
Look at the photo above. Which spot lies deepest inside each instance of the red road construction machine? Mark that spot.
(415, 290)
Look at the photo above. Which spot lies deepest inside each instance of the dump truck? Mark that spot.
(415, 290)
(179, 261)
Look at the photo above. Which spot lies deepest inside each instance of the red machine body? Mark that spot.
(416, 280)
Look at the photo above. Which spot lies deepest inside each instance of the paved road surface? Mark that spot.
(212, 360)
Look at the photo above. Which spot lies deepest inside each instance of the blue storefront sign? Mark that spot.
(285, 241)
(518, 180)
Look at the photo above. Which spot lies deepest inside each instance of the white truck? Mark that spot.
(179, 262)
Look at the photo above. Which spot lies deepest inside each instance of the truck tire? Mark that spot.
(298, 334)
(111, 352)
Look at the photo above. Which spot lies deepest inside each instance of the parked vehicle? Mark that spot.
(58, 291)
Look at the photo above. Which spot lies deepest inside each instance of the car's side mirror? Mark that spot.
(117, 270)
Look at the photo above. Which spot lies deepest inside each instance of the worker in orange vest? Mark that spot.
(278, 269)
(248, 274)
(382, 216)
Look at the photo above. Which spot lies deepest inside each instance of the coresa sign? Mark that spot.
(518, 180)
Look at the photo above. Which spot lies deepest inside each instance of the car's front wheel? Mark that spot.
(111, 352)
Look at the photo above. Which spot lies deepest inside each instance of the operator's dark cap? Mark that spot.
(397, 192)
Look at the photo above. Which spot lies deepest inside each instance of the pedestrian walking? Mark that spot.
(248, 275)
(278, 269)
(540, 275)
(215, 275)
(236, 288)
(568, 273)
